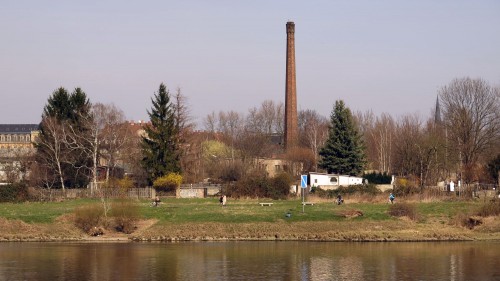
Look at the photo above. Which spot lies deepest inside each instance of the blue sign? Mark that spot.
(303, 181)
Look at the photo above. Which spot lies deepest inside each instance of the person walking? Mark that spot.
(391, 198)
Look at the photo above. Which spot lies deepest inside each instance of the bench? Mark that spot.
(266, 204)
(308, 203)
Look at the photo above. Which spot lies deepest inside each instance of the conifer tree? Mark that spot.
(343, 152)
(64, 109)
(160, 145)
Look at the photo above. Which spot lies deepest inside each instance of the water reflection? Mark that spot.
(250, 261)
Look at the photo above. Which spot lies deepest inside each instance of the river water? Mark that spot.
(251, 261)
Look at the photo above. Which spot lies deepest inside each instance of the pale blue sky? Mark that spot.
(387, 56)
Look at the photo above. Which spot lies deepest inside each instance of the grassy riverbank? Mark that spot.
(205, 219)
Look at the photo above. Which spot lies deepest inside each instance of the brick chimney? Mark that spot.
(291, 120)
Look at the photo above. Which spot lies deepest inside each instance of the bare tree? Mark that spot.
(183, 119)
(210, 122)
(115, 134)
(405, 145)
(53, 154)
(230, 124)
(313, 129)
(254, 121)
(269, 116)
(382, 136)
(471, 111)
(280, 118)
(88, 143)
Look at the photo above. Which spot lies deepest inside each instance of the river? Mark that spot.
(250, 261)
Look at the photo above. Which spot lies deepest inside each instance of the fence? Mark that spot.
(56, 194)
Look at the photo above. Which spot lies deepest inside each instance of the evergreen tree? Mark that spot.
(343, 152)
(68, 110)
(160, 145)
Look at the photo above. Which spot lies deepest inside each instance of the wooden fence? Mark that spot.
(57, 194)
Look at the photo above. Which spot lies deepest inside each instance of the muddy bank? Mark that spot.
(151, 230)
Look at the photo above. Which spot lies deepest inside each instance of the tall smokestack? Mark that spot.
(291, 120)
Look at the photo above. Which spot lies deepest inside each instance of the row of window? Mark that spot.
(15, 138)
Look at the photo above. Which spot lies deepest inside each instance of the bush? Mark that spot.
(378, 178)
(88, 217)
(405, 187)
(360, 189)
(370, 189)
(168, 183)
(257, 184)
(280, 186)
(491, 208)
(252, 185)
(403, 210)
(125, 214)
(16, 192)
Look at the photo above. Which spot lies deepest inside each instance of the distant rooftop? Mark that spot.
(18, 128)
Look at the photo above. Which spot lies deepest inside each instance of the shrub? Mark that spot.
(491, 208)
(280, 186)
(168, 183)
(405, 187)
(230, 172)
(16, 192)
(125, 214)
(254, 184)
(403, 210)
(126, 183)
(257, 184)
(88, 217)
(378, 178)
(360, 189)
(370, 189)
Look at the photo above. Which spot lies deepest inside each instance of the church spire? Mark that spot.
(437, 113)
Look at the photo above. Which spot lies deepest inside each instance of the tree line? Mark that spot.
(84, 143)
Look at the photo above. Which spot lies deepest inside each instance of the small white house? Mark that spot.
(331, 181)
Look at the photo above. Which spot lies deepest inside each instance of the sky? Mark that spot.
(384, 56)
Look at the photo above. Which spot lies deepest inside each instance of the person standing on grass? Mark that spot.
(224, 200)
(391, 198)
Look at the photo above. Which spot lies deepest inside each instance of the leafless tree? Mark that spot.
(280, 119)
(183, 119)
(114, 135)
(471, 111)
(231, 125)
(254, 121)
(104, 134)
(210, 122)
(313, 129)
(54, 153)
(381, 136)
(405, 145)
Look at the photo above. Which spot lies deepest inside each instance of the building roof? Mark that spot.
(18, 128)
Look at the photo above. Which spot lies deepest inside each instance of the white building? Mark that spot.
(331, 181)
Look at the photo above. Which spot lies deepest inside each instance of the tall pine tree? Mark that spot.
(160, 145)
(343, 152)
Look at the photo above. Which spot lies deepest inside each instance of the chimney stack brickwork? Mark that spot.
(291, 120)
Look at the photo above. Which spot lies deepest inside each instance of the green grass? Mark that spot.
(444, 210)
(38, 212)
(236, 211)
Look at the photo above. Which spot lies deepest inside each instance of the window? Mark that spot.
(333, 180)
